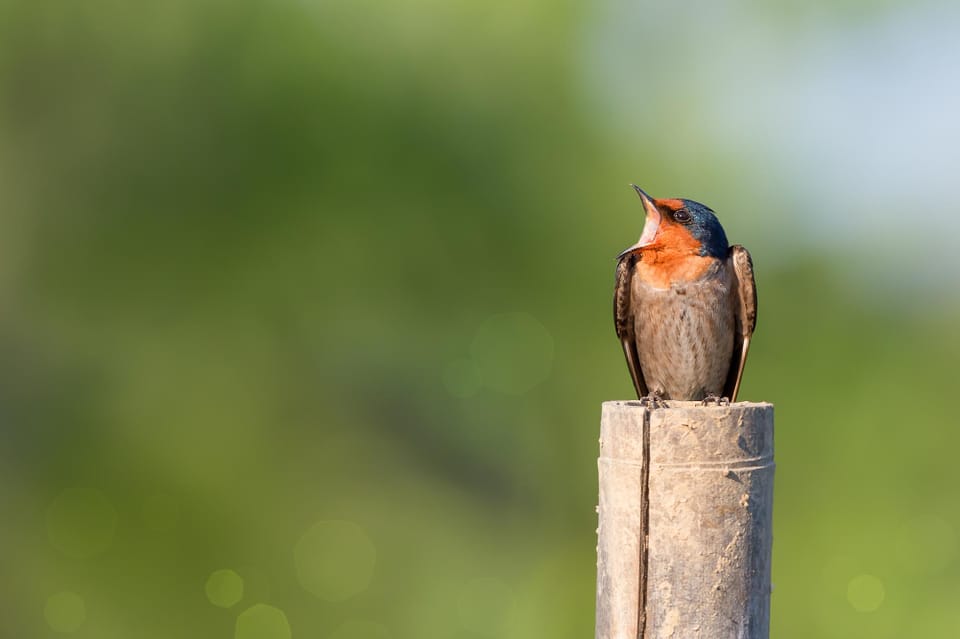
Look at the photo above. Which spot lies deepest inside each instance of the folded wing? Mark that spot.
(623, 313)
(745, 306)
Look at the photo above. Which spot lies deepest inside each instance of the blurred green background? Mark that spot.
(306, 305)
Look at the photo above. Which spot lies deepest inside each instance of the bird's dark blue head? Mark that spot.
(681, 225)
(703, 226)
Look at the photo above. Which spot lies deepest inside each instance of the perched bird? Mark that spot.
(685, 305)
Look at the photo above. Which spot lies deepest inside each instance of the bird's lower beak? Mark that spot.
(650, 226)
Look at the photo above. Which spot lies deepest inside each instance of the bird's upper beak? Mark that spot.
(650, 226)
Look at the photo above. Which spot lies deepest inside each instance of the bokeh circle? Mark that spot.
(334, 560)
(65, 612)
(865, 593)
(224, 588)
(262, 622)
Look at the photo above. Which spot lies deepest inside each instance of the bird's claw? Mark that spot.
(714, 399)
(653, 401)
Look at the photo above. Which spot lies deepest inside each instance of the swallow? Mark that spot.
(684, 305)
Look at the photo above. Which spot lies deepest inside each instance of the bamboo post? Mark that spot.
(686, 499)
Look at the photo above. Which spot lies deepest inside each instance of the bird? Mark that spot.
(684, 305)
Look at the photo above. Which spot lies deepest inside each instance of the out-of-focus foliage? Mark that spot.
(306, 323)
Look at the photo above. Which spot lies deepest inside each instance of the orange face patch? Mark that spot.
(674, 238)
(669, 204)
(673, 258)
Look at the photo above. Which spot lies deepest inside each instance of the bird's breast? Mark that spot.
(685, 330)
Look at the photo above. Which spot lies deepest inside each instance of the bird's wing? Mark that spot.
(745, 306)
(623, 321)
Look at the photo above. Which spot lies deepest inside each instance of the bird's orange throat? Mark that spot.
(672, 258)
(662, 267)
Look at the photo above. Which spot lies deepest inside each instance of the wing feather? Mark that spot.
(623, 321)
(745, 306)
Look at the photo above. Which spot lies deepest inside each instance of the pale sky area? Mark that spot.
(850, 120)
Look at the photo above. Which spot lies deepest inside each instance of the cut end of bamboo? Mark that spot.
(685, 513)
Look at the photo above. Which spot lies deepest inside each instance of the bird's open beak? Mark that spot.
(650, 226)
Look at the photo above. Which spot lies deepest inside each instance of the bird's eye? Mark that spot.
(682, 216)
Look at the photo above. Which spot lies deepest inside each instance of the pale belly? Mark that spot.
(685, 336)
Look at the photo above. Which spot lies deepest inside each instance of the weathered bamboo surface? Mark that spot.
(685, 535)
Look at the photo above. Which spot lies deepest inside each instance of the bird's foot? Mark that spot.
(653, 401)
(714, 399)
